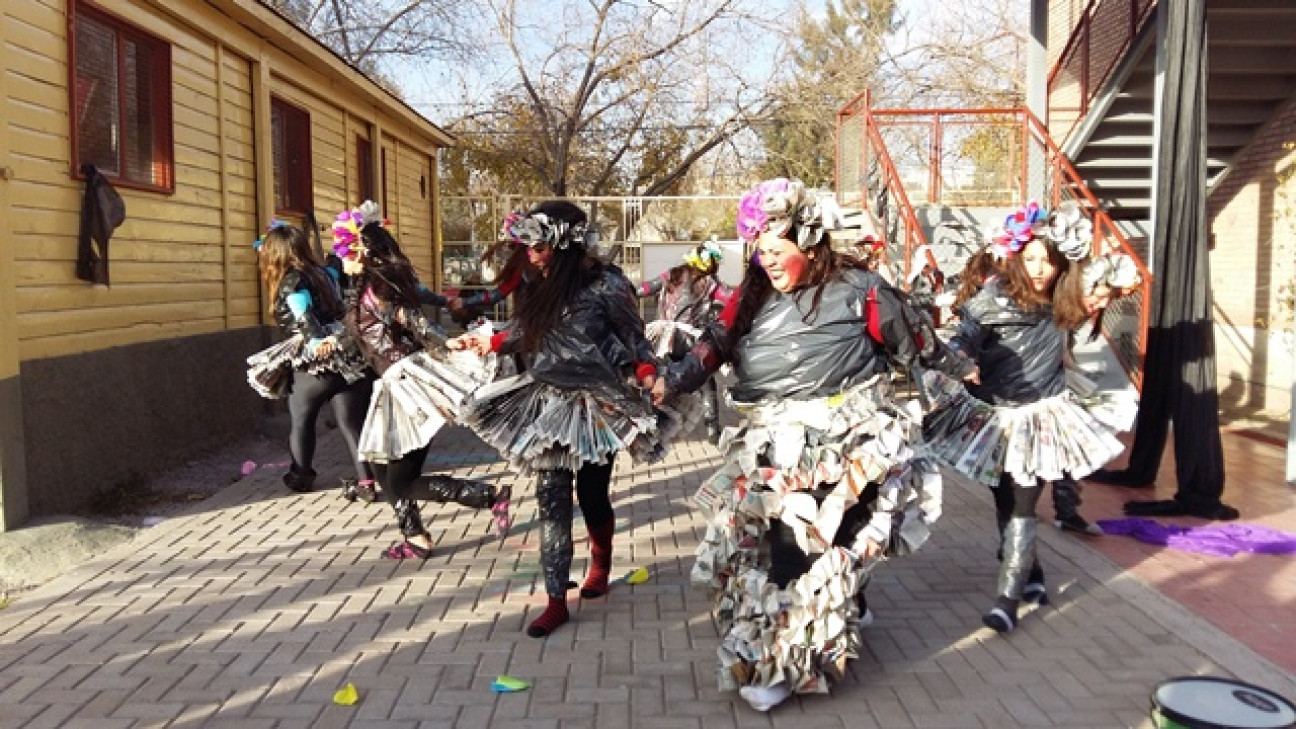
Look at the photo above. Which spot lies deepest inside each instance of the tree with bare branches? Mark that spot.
(370, 33)
(617, 96)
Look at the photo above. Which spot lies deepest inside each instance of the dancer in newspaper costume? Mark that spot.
(1021, 426)
(821, 479)
(314, 364)
(421, 384)
(690, 296)
(580, 400)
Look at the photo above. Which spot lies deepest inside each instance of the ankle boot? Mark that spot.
(301, 480)
(596, 581)
(553, 616)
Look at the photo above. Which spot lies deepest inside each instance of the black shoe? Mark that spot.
(1078, 524)
(350, 491)
(1217, 511)
(1002, 618)
(300, 481)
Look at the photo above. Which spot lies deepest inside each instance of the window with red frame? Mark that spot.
(290, 133)
(121, 87)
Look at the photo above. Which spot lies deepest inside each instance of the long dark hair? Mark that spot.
(286, 248)
(571, 270)
(979, 268)
(386, 269)
(1066, 296)
(825, 265)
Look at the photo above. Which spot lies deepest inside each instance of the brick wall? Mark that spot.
(1253, 223)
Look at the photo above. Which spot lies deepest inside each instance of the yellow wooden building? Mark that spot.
(207, 117)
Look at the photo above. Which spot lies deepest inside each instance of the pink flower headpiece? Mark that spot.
(348, 224)
(1019, 229)
(777, 205)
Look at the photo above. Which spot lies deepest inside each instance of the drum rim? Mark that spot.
(1182, 718)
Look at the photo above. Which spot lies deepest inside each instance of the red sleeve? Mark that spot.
(645, 369)
(512, 283)
(497, 339)
(874, 321)
(730, 311)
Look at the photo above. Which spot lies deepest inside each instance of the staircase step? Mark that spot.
(1241, 112)
(1276, 30)
(1085, 164)
(1249, 87)
(1244, 59)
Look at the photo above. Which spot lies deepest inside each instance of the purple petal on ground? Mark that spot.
(1224, 540)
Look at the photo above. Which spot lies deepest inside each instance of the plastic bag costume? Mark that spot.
(301, 315)
(1022, 419)
(823, 449)
(576, 402)
(684, 310)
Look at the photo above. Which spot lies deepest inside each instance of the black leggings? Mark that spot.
(788, 561)
(554, 499)
(1014, 500)
(350, 404)
(397, 481)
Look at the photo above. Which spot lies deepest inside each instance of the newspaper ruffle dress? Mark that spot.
(805, 633)
(539, 427)
(270, 370)
(577, 402)
(1070, 433)
(415, 397)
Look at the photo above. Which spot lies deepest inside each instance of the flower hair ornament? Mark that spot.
(1071, 231)
(274, 223)
(1114, 271)
(537, 228)
(1019, 228)
(779, 204)
(704, 257)
(347, 226)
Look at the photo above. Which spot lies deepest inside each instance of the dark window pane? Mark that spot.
(139, 114)
(98, 135)
(278, 145)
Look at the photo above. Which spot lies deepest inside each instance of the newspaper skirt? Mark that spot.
(662, 334)
(417, 396)
(804, 634)
(538, 427)
(270, 370)
(1044, 440)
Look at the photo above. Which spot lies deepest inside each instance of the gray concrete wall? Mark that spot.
(103, 419)
(957, 232)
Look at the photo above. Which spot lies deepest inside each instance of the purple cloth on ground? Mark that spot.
(1224, 540)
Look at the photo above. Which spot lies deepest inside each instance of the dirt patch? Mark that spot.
(46, 548)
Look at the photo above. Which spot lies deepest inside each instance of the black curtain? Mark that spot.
(1179, 371)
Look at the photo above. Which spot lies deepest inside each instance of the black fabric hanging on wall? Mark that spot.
(1179, 370)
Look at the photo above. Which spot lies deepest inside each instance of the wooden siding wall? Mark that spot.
(180, 264)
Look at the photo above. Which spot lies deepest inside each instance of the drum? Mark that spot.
(1203, 702)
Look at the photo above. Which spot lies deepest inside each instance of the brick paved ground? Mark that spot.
(254, 609)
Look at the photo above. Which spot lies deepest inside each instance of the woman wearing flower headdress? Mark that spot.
(821, 469)
(1021, 427)
(306, 302)
(577, 404)
(511, 258)
(690, 296)
(421, 384)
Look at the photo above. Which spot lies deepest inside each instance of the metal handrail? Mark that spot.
(912, 237)
(1080, 45)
